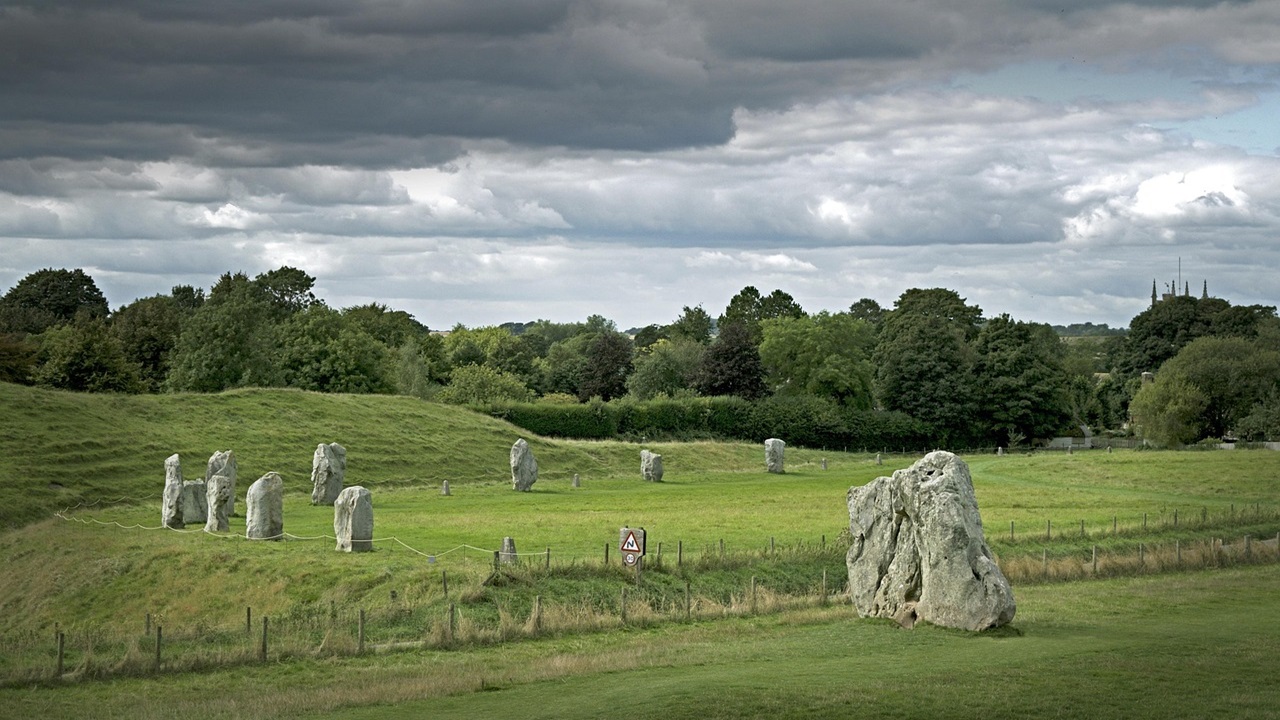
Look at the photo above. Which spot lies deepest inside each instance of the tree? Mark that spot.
(148, 330)
(82, 356)
(924, 362)
(1167, 412)
(824, 355)
(227, 342)
(749, 308)
(392, 328)
(318, 349)
(562, 370)
(1019, 380)
(1230, 376)
(17, 358)
(187, 297)
(648, 335)
(288, 289)
(1159, 332)
(667, 367)
(732, 365)
(868, 310)
(49, 297)
(693, 324)
(480, 384)
(608, 362)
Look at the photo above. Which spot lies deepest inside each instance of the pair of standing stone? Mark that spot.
(352, 507)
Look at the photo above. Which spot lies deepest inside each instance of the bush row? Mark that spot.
(803, 420)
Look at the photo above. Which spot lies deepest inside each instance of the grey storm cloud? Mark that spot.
(634, 156)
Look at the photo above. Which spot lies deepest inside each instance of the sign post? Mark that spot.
(631, 542)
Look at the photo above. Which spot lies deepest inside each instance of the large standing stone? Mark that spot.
(773, 448)
(650, 466)
(353, 520)
(328, 468)
(171, 503)
(524, 469)
(223, 463)
(195, 505)
(264, 508)
(217, 489)
(918, 550)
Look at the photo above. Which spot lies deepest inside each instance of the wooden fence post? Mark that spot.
(548, 558)
(453, 620)
(537, 613)
(1048, 529)
(360, 633)
(262, 651)
(159, 633)
(753, 594)
(606, 553)
(1095, 559)
(1142, 554)
(1044, 560)
(688, 600)
(444, 581)
(248, 620)
(61, 647)
(680, 553)
(824, 586)
(147, 627)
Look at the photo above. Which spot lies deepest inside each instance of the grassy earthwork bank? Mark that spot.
(1162, 604)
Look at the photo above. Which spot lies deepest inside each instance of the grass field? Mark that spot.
(776, 652)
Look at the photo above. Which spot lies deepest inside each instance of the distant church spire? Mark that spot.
(1153, 292)
(1205, 295)
(1186, 289)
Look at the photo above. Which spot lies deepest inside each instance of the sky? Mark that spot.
(486, 161)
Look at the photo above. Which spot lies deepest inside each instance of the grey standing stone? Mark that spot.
(264, 508)
(650, 466)
(508, 556)
(353, 520)
(171, 515)
(773, 449)
(217, 490)
(918, 550)
(879, 461)
(444, 488)
(577, 482)
(195, 505)
(999, 451)
(224, 463)
(524, 469)
(328, 469)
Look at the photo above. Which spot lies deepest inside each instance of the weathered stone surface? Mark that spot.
(264, 508)
(650, 466)
(328, 469)
(217, 490)
(507, 555)
(353, 520)
(195, 505)
(918, 551)
(524, 469)
(171, 503)
(223, 463)
(773, 448)
(444, 488)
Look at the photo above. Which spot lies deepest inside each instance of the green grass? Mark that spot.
(98, 582)
(1186, 646)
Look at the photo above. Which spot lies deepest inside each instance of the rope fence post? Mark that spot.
(248, 620)
(688, 600)
(444, 582)
(680, 553)
(147, 626)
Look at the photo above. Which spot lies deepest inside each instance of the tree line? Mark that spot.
(959, 378)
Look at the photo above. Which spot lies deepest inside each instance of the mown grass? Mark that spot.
(1190, 645)
(97, 583)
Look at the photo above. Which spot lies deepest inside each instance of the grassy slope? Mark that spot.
(1187, 646)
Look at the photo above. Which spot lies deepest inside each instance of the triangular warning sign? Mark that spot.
(630, 544)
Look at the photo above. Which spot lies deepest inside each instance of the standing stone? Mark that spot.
(773, 448)
(1000, 451)
(224, 463)
(195, 505)
(878, 460)
(524, 469)
(264, 508)
(577, 481)
(918, 551)
(508, 556)
(328, 469)
(171, 515)
(353, 520)
(444, 488)
(824, 463)
(217, 489)
(650, 466)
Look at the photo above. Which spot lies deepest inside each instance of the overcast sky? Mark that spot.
(483, 161)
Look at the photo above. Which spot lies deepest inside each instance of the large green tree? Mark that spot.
(924, 362)
(825, 355)
(693, 324)
(319, 349)
(749, 308)
(732, 365)
(1021, 385)
(50, 297)
(666, 367)
(83, 356)
(608, 362)
(148, 330)
(227, 341)
(1159, 332)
